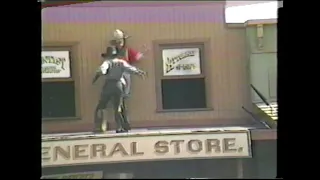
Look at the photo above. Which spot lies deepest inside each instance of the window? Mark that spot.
(183, 93)
(58, 84)
(181, 77)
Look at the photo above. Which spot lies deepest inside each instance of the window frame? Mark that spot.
(204, 46)
(72, 48)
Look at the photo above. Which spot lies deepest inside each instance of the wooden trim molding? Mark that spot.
(264, 134)
(61, 119)
(252, 23)
(57, 80)
(185, 110)
(172, 123)
(58, 44)
(264, 52)
(261, 21)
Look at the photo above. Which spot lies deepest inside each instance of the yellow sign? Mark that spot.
(119, 149)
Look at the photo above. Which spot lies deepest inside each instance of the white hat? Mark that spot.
(118, 34)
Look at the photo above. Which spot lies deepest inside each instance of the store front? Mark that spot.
(173, 169)
(176, 154)
(213, 75)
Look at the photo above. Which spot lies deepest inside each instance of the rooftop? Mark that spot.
(143, 132)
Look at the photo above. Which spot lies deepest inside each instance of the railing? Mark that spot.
(253, 115)
(260, 95)
(265, 101)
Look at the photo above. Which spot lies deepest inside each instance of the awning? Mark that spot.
(51, 3)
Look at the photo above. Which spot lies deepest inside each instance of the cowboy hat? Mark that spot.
(110, 51)
(119, 34)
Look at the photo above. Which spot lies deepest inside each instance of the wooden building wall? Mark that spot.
(91, 27)
(263, 61)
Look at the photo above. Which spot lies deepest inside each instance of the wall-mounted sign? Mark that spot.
(179, 62)
(55, 64)
(156, 147)
(78, 175)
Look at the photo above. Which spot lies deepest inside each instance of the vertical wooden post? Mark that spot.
(239, 168)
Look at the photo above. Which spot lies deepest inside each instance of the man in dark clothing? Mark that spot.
(113, 89)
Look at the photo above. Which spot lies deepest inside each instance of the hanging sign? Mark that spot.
(55, 64)
(78, 175)
(156, 147)
(180, 62)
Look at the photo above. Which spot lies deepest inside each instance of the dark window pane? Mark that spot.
(58, 99)
(183, 93)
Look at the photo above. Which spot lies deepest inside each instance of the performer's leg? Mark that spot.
(98, 118)
(117, 108)
(98, 115)
(127, 87)
(117, 105)
(124, 113)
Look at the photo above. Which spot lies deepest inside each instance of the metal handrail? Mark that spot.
(254, 116)
(261, 96)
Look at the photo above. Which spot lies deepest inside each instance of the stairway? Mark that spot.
(272, 111)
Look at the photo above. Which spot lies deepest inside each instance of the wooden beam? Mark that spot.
(263, 134)
(51, 3)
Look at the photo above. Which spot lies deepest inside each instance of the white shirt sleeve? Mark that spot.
(104, 67)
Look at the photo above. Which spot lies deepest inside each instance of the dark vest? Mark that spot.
(123, 53)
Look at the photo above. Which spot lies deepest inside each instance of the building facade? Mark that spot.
(208, 91)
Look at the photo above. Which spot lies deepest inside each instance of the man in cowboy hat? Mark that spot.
(113, 68)
(118, 43)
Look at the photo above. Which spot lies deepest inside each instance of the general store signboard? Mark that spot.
(55, 64)
(180, 62)
(146, 147)
(78, 175)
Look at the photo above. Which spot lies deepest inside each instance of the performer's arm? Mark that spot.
(96, 77)
(132, 70)
(103, 69)
(134, 55)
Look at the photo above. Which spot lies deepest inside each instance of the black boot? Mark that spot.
(121, 131)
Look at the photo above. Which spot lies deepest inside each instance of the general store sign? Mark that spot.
(78, 175)
(152, 147)
(55, 64)
(180, 62)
